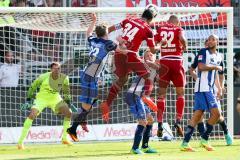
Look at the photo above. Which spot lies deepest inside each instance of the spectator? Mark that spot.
(236, 68)
(9, 71)
(84, 3)
(36, 3)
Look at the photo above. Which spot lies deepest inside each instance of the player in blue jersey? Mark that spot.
(99, 48)
(140, 111)
(221, 122)
(209, 63)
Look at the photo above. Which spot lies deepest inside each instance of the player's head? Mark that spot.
(101, 30)
(174, 20)
(55, 68)
(149, 56)
(206, 43)
(8, 57)
(212, 41)
(149, 13)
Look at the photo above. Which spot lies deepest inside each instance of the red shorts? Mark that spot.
(127, 63)
(171, 70)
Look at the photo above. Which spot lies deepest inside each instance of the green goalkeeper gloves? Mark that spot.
(28, 104)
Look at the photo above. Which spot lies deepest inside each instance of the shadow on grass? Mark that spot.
(74, 157)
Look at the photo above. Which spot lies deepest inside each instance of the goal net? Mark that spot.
(38, 37)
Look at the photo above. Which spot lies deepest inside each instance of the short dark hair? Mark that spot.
(54, 64)
(101, 30)
(148, 14)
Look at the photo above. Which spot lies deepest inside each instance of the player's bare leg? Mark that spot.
(66, 112)
(161, 110)
(197, 116)
(115, 88)
(214, 117)
(180, 103)
(26, 126)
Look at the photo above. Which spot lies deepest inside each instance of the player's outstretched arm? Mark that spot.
(92, 25)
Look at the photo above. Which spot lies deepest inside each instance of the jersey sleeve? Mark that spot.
(150, 39)
(110, 46)
(90, 38)
(121, 24)
(195, 62)
(202, 56)
(66, 89)
(36, 83)
(157, 37)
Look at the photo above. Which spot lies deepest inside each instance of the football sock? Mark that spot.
(201, 128)
(113, 93)
(146, 136)
(160, 127)
(207, 132)
(66, 124)
(138, 136)
(26, 126)
(161, 109)
(224, 127)
(180, 107)
(188, 134)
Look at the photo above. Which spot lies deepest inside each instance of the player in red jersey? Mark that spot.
(171, 68)
(135, 31)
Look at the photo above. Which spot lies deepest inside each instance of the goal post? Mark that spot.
(38, 36)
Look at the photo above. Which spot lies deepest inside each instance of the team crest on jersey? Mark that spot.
(200, 57)
(212, 60)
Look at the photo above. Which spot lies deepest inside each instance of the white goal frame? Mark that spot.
(227, 10)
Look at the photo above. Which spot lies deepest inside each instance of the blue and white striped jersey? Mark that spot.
(137, 86)
(206, 79)
(99, 48)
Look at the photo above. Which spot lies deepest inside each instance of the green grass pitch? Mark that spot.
(119, 151)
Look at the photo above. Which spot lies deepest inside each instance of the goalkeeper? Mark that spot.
(50, 84)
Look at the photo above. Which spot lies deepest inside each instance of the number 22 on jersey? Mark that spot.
(130, 32)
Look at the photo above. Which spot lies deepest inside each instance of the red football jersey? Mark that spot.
(170, 33)
(135, 31)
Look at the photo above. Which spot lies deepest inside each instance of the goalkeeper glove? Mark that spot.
(28, 104)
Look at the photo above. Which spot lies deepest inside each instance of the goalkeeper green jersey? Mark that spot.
(50, 88)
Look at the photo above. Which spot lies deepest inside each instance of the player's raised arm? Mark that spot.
(92, 25)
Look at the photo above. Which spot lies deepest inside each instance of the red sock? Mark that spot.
(112, 93)
(161, 109)
(148, 87)
(180, 103)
